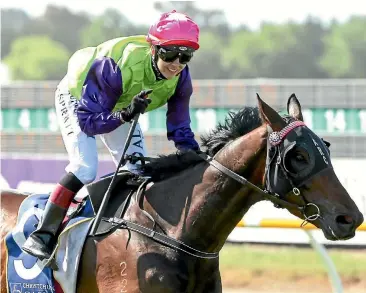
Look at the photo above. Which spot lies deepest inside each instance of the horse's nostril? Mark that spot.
(344, 219)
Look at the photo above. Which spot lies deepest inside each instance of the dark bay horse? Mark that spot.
(198, 200)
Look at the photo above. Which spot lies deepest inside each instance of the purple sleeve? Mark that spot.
(178, 120)
(101, 90)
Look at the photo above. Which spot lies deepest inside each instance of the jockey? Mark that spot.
(104, 88)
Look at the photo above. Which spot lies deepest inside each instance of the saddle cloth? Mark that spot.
(26, 273)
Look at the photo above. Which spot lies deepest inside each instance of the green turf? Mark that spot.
(290, 260)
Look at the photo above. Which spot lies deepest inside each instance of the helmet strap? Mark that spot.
(154, 62)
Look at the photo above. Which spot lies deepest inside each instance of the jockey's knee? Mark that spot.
(86, 174)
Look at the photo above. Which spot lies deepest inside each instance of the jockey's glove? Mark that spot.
(138, 105)
(183, 151)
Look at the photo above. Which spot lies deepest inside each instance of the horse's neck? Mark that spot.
(237, 155)
(219, 202)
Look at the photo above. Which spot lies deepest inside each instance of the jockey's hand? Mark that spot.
(138, 105)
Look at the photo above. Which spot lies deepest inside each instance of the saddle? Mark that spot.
(62, 267)
(126, 183)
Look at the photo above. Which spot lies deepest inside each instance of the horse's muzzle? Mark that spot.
(340, 226)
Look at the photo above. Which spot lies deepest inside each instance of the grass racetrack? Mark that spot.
(273, 269)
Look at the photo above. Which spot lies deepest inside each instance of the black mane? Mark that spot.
(236, 124)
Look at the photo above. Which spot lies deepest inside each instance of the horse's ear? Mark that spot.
(294, 107)
(270, 116)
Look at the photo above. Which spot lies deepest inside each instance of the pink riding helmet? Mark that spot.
(174, 28)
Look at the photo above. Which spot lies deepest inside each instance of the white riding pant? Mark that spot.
(82, 149)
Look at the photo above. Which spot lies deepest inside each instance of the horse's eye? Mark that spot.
(299, 158)
(296, 160)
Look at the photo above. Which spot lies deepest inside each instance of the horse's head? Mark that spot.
(299, 170)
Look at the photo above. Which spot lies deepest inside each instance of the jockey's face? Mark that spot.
(171, 69)
(172, 60)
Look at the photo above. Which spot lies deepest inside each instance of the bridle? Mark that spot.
(275, 158)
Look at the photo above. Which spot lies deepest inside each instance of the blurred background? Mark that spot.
(316, 49)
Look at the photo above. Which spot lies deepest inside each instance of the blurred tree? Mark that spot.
(276, 51)
(211, 19)
(272, 59)
(206, 62)
(37, 58)
(252, 54)
(65, 27)
(302, 59)
(13, 23)
(300, 51)
(345, 49)
(187, 7)
(111, 24)
(291, 50)
(57, 22)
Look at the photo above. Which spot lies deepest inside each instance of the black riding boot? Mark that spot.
(43, 240)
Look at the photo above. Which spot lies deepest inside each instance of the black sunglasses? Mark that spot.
(171, 54)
